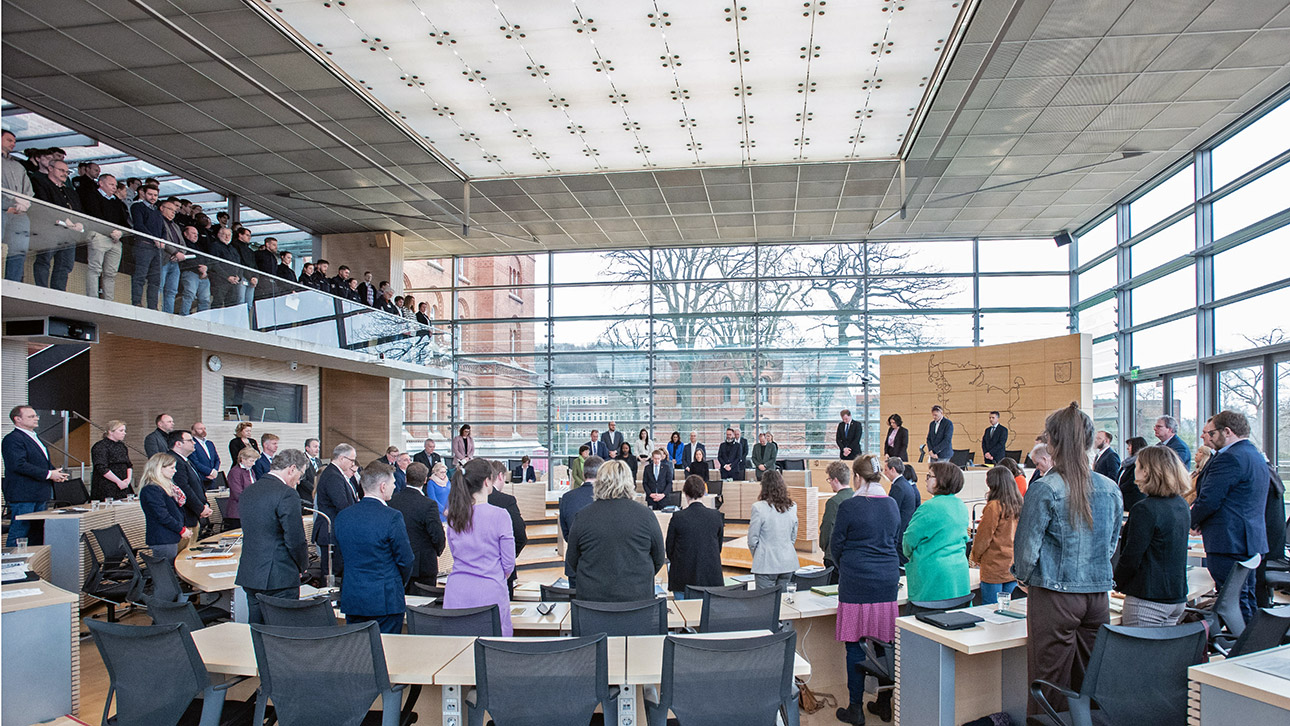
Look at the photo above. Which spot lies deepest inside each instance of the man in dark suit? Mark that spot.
(940, 436)
(158, 441)
(1275, 525)
(52, 188)
(994, 441)
(367, 292)
(1230, 506)
(848, 436)
(1107, 462)
(374, 539)
(274, 551)
(333, 494)
(1166, 429)
(28, 475)
(268, 449)
(575, 500)
(657, 480)
(427, 455)
(306, 486)
(613, 440)
(425, 530)
(196, 506)
(598, 447)
(730, 457)
(205, 456)
(499, 498)
(524, 472)
(687, 453)
(905, 495)
(145, 217)
(401, 464)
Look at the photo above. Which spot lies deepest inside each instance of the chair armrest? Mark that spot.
(397, 687)
(228, 683)
(1036, 691)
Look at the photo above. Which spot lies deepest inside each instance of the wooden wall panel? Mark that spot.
(361, 410)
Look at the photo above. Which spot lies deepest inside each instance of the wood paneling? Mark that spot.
(363, 411)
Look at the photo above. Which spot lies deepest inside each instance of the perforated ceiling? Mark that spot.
(518, 87)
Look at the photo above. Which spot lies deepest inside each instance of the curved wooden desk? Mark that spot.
(210, 575)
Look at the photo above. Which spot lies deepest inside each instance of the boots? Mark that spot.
(852, 714)
(882, 706)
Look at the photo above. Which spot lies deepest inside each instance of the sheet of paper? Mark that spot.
(220, 575)
(217, 563)
(25, 592)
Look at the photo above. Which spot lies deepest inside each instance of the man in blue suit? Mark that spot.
(205, 456)
(28, 475)
(994, 441)
(1167, 431)
(268, 449)
(378, 556)
(1230, 503)
(940, 436)
(598, 447)
(657, 480)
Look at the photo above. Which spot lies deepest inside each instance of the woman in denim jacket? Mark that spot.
(1066, 535)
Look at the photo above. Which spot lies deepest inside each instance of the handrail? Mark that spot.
(379, 450)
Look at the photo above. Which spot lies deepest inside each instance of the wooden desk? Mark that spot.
(210, 575)
(36, 558)
(1229, 693)
(39, 653)
(63, 529)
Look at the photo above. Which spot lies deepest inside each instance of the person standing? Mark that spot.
(482, 543)
(577, 499)
(425, 529)
(657, 480)
(161, 502)
(156, 442)
(52, 189)
(310, 478)
(699, 466)
(205, 458)
(333, 495)
(644, 446)
(940, 436)
(615, 544)
(196, 506)
(730, 457)
(508, 503)
(1066, 535)
(764, 455)
(241, 476)
(613, 440)
(1166, 430)
(598, 447)
(463, 446)
(103, 257)
(1128, 480)
(28, 474)
(897, 441)
(16, 225)
(906, 497)
(687, 454)
(1152, 569)
(839, 480)
(268, 449)
(147, 219)
(1230, 504)
(111, 460)
(438, 489)
(427, 454)
(274, 552)
(1105, 461)
(848, 437)
(676, 450)
(772, 532)
(992, 547)
(994, 442)
(373, 541)
(693, 543)
(935, 542)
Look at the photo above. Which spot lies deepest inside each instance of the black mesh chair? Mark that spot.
(645, 617)
(222, 504)
(739, 680)
(480, 621)
(1224, 620)
(739, 610)
(1136, 676)
(940, 606)
(814, 579)
(70, 493)
(115, 577)
(315, 612)
(1014, 454)
(537, 683)
(962, 458)
(323, 675)
(164, 612)
(695, 592)
(1267, 629)
(155, 674)
(551, 593)
(163, 586)
(424, 590)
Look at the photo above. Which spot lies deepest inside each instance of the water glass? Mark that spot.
(1005, 601)
(792, 592)
(21, 543)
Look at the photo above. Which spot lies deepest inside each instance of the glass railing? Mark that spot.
(50, 246)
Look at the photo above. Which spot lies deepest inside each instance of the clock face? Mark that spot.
(214, 363)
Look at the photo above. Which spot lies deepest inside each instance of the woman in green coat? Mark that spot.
(936, 540)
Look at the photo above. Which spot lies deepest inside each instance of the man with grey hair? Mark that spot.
(334, 494)
(1166, 429)
(274, 551)
(374, 538)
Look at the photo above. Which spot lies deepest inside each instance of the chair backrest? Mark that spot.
(165, 582)
(739, 610)
(425, 590)
(222, 503)
(536, 683)
(1266, 630)
(1139, 675)
(815, 579)
(1227, 608)
(644, 617)
(482, 621)
(961, 457)
(314, 612)
(113, 544)
(695, 592)
(942, 605)
(113, 562)
(728, 680)
(792, 465)
(155, 671)
(1014, 454)
(166, 612)
(320, 675)
(551, 593)
(71, 492)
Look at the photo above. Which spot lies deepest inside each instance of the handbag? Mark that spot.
(809, 701)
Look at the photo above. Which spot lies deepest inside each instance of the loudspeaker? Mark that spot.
(1063, 238)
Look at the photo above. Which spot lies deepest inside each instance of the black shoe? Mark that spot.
(881, 707)
(852, 714)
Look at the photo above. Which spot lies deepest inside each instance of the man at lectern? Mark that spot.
(940, 436)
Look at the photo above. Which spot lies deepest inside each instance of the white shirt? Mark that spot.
(36, 438)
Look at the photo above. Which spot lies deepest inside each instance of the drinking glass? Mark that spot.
(792, 592)
(1005, 601)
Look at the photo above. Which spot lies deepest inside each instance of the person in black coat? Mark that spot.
(1276, 526)
(524, 472)
(904, 494)
(1106, 462)
(657, 480)
(196, 506)
(27, 471)
(615, 544)
(694, 538)
(274, 551)
(994, 441)
(940, 436)
(730, 457)
(498, 498)
(333, 494)
(699, 466)
(1152, 568)
(848, 436)
(374, 539)
(284, 267)
(896, 444)
(425, 530)
(625, 456)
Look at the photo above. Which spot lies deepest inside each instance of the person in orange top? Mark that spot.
(992, 548)
(1017, 472)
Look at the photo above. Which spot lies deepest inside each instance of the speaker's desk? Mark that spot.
(1241, 691)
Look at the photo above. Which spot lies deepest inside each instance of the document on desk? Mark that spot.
(25, 592)
(13, 571)
(1274, 664)
(215, 563)
(220, 575)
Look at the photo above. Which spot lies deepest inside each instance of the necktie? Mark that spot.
(846, 429)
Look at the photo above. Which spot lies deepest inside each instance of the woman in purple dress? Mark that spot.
(482, 543)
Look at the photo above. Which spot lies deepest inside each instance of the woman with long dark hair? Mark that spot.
(676, 449)
(482, 543)
(992, 548)
(463, 447)
(1152, 570)
(625, 456)
(1128, 480)
(1062, 554)
(772, 530)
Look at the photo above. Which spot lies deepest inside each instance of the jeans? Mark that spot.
(771, 582)
(20, 529)
(855, 677)
(990, 591)
(169, 285)
(253, 605)
(63, 260)
(103, 260)
(194, 286)
(147, 274)
(17, 235)
(1220, 566)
